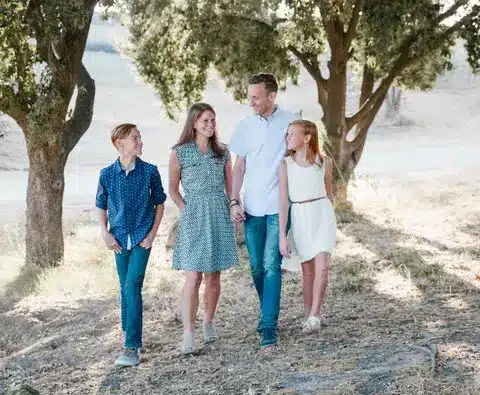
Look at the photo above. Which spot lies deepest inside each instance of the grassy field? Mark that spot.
(402, 313)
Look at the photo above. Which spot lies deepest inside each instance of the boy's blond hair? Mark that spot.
(121, 131)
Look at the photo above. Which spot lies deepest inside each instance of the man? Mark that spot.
(131, 197)
(259, 143)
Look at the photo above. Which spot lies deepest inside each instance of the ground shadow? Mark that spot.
(389, 245)
(358, 316)
(25, 283)
(473, 227)
(364, 331)
(51, 348)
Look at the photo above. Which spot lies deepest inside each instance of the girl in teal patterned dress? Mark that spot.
(205, 243)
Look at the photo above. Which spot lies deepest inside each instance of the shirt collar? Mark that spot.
(276, 111)
(119, 168)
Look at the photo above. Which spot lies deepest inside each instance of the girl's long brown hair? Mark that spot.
(188, 133)
(313, 147)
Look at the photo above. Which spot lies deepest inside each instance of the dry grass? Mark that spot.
(401, 317)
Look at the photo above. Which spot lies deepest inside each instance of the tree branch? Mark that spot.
(65, 56)
(73, 44)
(313, 68)
(310, 64)
(364, 125)
(253, 20)
(355, 146)
(404, 61)
(82, 116)
(91, 3)
(328, 21)
(451, 30)
(352, 26)
(277, 21)
(451, 11)
(36, 22)
(433, 43)
(376, 96)
(13, 107)
(396, 69)
(368, 82)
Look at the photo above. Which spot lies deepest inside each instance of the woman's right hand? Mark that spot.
(285, 248)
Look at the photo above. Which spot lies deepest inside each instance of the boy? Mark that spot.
(131, 197)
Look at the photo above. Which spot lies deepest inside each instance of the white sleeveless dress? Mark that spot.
(313, 226)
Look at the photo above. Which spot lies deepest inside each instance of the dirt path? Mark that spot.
(401, 317)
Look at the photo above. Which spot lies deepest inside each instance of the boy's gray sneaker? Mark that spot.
(129, 357)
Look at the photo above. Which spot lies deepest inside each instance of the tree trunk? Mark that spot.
(44, 232)
(334, 122)
(51, 131)
(332, 94)
(393, 101)
(341, 194)
(48, 150)
(343, 167)
(346, 153)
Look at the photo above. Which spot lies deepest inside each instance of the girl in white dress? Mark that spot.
(306, 189)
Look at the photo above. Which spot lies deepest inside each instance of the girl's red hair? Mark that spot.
(313, 147)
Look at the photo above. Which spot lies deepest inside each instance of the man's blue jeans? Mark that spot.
(261, 239)
(131, 266)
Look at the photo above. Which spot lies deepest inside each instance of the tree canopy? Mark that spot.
(409, 42)
(42, 44)
(41, 76)
(406, 43)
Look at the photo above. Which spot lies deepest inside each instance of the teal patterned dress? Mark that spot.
(205, 239)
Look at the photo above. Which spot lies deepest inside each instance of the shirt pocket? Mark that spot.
(217, 169)
(191, 173)
(190, 169)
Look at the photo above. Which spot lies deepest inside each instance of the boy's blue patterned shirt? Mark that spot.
(130, 199)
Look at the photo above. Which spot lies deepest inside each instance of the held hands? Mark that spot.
(111, 242)
(181, 207)
(285, 248)
(147, 241)
(237, 214)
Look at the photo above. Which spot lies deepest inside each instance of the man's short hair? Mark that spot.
(268, 79)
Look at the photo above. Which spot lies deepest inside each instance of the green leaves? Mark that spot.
(175, 44)
(47, 36)
(470, 32)
(170, 56)
(258, 43)
(17, 79)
